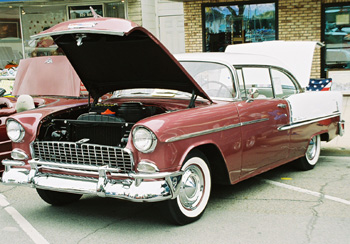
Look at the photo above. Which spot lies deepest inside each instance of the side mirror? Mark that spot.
(2, 92)
(253, 93)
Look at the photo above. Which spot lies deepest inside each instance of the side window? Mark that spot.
(258, 78)
(282, 84)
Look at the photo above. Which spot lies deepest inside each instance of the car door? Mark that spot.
(262, 111)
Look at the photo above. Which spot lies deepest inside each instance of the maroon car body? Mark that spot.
(51, 80)
(169, 130)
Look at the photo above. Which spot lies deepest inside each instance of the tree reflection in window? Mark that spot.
(232, 24)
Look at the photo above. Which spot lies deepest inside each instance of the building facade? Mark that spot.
(19, 20)
(212, 24)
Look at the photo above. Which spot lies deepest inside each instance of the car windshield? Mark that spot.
(215, 79)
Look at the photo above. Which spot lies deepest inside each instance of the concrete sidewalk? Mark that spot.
(340, 146)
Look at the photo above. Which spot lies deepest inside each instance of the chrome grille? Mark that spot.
(83, 154)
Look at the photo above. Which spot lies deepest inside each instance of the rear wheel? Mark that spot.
(194, 192)
(312, 154)
(58, 198)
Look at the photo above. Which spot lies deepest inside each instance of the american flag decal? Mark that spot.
(319, 85)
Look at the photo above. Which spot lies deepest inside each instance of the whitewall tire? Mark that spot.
(194, 192)
(312, 154)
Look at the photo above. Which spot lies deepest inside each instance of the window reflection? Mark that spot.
(337, 37)
(232, 24)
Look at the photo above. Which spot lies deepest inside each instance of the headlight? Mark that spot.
(144, 140)
(15, 130)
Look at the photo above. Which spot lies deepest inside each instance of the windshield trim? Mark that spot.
(230, 68)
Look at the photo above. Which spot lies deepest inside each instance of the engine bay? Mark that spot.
(104, 124)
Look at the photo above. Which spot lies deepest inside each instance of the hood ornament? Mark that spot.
(49, 61)
(94, 13)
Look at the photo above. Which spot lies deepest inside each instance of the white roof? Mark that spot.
(234, 59)
(297, 55)
(230, 58)
(294, 56)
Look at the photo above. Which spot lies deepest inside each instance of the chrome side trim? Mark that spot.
(254, 121)
(295, 125)
(206, 132)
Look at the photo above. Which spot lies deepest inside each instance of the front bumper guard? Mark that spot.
(341, 127)
(135, 187)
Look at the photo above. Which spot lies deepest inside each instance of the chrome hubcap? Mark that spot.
(192, 188)
(311, 149)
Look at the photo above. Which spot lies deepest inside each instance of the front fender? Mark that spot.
(179, 132)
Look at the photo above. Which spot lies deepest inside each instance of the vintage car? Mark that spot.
(50, 80)
(171, 127)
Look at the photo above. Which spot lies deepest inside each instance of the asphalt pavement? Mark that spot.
(284, 205)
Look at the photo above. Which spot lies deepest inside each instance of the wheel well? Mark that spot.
(217, 164)
(325, 137)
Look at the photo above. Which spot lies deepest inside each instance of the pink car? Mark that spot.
(50, 80)
(170, 126)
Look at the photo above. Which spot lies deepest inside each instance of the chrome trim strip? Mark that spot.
(254, 121)
(8, 162)
(298, 124)
(37, 162)
(206, 132)
(76, 31)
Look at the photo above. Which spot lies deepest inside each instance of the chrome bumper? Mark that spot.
(132, 187)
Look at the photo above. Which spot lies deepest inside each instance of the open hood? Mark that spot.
(112, 54)
(295, 56)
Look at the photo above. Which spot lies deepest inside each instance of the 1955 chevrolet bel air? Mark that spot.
(170, 126)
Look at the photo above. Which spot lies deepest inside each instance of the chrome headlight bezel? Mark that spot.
(19, 154)
(15, 130)
(144, 139)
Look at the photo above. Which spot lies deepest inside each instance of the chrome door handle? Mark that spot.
(281, 105)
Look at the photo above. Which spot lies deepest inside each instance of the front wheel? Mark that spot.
(309, 160)
(58, 198)
(194, 190)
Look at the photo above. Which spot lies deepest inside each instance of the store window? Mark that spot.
(10, 37)
(38, 18)
(232, 23)
(337, 37)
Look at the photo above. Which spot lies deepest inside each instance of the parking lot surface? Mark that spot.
(281, 206)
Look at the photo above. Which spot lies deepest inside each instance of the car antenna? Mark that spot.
(96, 16)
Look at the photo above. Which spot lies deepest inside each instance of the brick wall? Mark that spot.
(297, 20)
